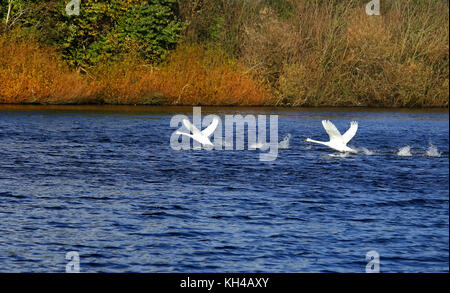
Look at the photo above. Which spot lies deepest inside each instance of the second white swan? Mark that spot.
(338, 141)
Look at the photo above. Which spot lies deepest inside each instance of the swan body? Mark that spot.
(337, 141)
(200, 136)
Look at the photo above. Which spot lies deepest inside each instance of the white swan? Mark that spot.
(200, 136)
(338, 141)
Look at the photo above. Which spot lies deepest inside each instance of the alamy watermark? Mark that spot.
(234, 130)
(373, 265)
(73, 7)
(73, 266)
(373, 7)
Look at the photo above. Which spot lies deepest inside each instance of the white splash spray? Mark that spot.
(284, 144)
(432, 151)
(340, 155)
(256, 145)
(365, 151)
(404, 151)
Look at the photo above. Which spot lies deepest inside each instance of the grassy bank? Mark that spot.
(287, 53)
(191, 75)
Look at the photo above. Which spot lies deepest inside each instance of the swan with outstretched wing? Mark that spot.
(337, 141)
(200, 136)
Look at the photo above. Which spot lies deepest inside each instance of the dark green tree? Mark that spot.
(104, 30)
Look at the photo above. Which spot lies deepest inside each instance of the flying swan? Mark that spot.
(200, 136)
(338, 141)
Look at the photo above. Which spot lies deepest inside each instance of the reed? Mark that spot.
(191, 75)
(330, 53)
(30, 73)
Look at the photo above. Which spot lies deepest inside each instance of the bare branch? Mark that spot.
(10, 2)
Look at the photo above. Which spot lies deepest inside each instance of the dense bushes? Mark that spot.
(104, 29)
(192, 74)
(317, 53)
(30, 73)
(271, 52)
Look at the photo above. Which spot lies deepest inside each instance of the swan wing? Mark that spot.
(332, 131)
(350, 133)
(211, 128)
(191, 127)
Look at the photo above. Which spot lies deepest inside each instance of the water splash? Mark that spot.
(284, 144)
(404, 151)
(257, 145)
(432, 151)
(339, 155)
(365, 151)
(225, 144)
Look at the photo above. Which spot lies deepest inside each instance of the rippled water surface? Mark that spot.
(104, 181)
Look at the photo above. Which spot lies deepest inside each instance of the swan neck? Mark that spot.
(316, 141)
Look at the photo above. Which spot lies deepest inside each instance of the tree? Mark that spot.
(14, 11)
(107, 29)
(8, 13)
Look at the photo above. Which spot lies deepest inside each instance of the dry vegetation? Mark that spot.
(192, 74)
(30, 73)
(320, 53)
(334, 54)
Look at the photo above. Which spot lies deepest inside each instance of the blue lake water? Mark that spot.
(104, 182)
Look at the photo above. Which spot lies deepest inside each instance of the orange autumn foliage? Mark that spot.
(192, 75)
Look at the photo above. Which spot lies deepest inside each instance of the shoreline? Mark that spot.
(323, 55)
(188, 108)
